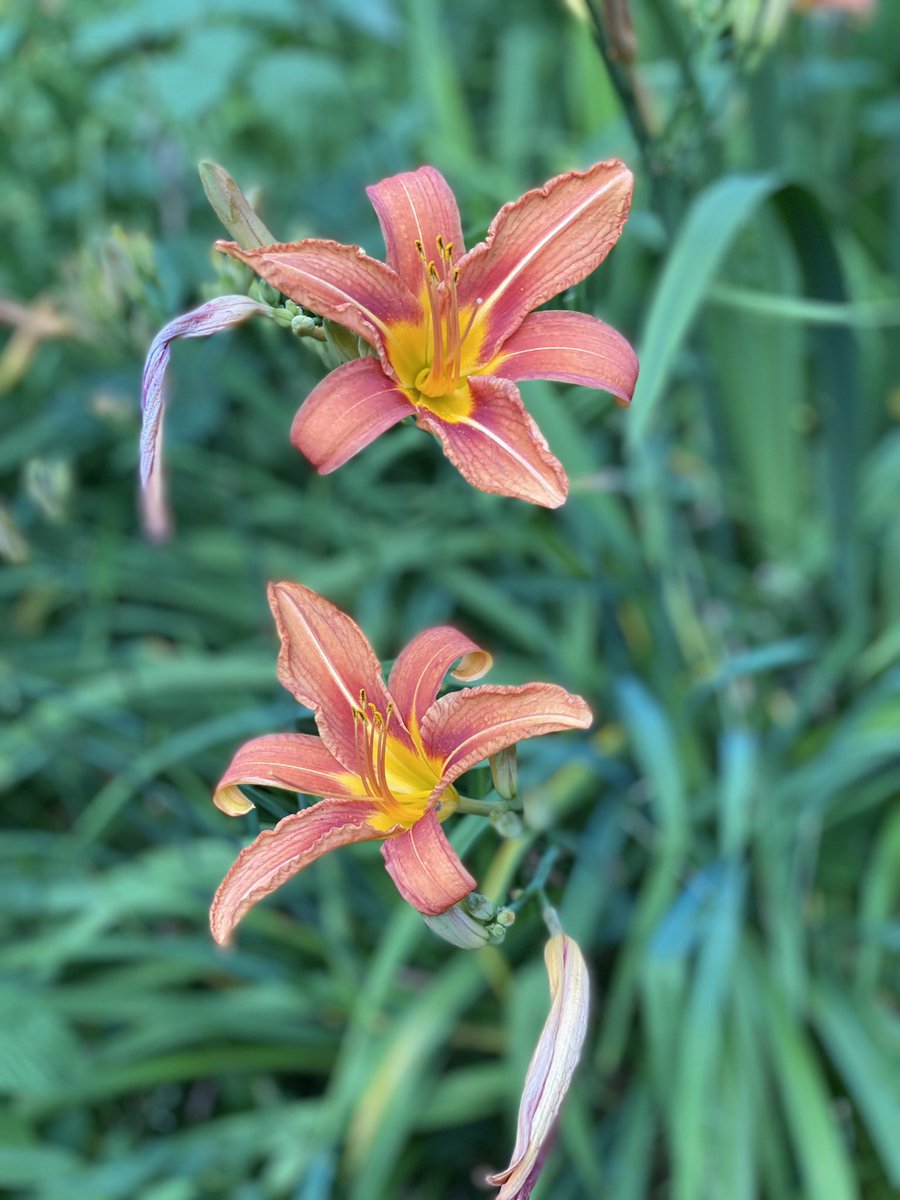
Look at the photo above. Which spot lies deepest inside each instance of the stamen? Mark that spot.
(362, 757)
(371, 737)
(441, 376)
(437, 366)
(453, 337)
(471, 320)
(382, 764)
(380, 753)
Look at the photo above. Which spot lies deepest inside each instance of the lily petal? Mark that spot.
(280, 853)
(297, 762)
(420, 667)
(464, 728)
(335, 281)
(537, 246)
(347, 411)
(425, 867)
(417, 206)
(498, 447)
(209, 318)
(327, 663)
(551, 1068)
(571, 347)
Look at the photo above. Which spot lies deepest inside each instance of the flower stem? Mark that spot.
(481, 808)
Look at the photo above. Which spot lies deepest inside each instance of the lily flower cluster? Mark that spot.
(442, 335)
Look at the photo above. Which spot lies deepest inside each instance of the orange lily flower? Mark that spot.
(385, 759)
(453, 331)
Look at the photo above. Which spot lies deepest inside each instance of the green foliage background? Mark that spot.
(723, 585)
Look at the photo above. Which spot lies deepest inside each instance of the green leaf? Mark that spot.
(709, 229)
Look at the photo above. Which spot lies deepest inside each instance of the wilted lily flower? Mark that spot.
(385, 759)
(209, 318)
(453, 331)
(551, 1068)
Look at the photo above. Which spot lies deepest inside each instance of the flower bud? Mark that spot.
(304, 326)
(551, 1068)
(340, 344)
(233, 208)
(260, 290)
(478, 906)
(459, 929)
(507, 824)
(505, 774)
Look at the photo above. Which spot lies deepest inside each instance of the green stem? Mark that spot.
(538, 882)
(624, 86)
(481, 808)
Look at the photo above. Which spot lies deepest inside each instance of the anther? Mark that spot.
(420, 249)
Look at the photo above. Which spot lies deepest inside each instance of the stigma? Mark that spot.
(446, 336)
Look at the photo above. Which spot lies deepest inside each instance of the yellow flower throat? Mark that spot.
(391, 773)
(434, 357)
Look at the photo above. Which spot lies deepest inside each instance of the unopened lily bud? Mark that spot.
(551, 1068)
(459, 929)
(304, 326)
(505, 917)
(504, 773)
(478, 906)
(507, 824)
(260, 290)
(233, 208)
(497, 933)
(339, 345)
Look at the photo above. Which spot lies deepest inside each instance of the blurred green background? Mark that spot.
(723, 586)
